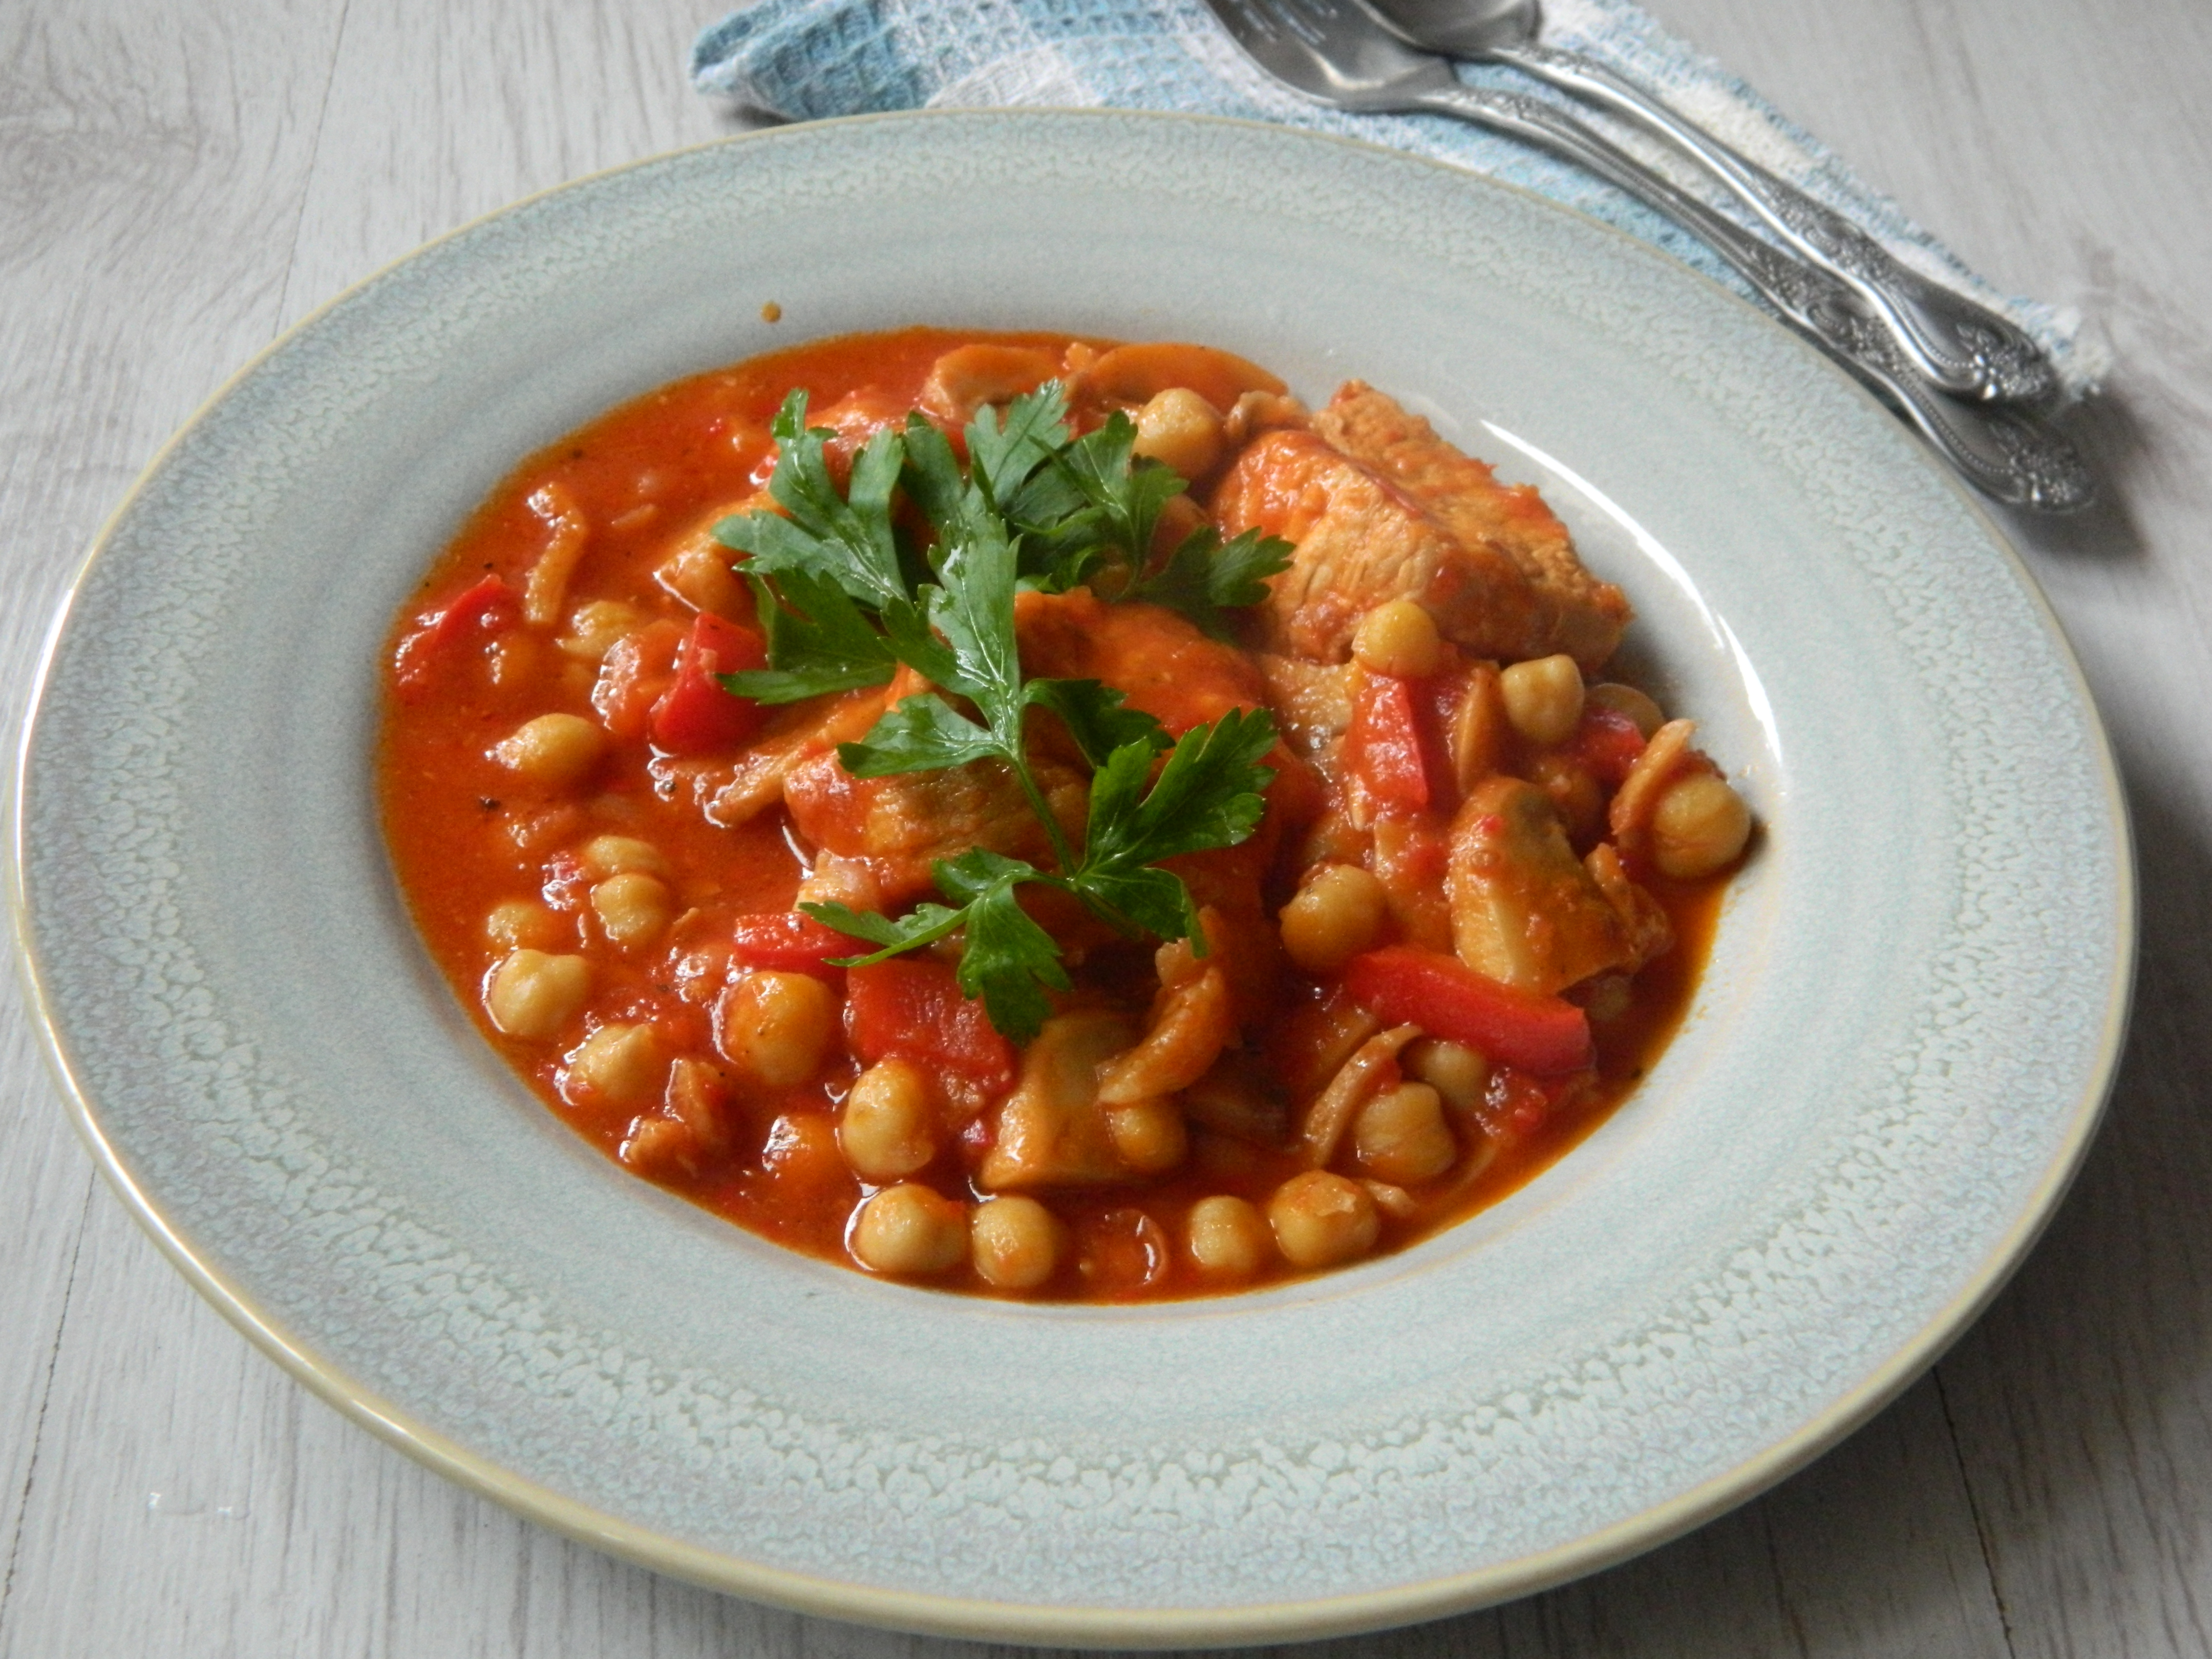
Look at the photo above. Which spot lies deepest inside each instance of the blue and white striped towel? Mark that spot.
(806, 59)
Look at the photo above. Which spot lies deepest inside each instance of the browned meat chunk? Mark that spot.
(1524, 909)
(1361, 541)
(897, 827)
(1154, 657)
(1584, 616)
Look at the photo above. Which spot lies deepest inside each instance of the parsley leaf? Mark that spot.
(933, 473)
(1004, 453)
(922, 733)
(1207, 794)
(846, 538)
(819, 640)
(1204, 577)
(974, 611)
(1126, 494)
(1006, 958)
(1009, 961)
(925, 924)
(845, 598)
(1097, 717)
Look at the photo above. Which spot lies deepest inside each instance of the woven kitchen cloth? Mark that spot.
(807, 59)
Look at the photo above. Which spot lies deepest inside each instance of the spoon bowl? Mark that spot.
(1463, 29)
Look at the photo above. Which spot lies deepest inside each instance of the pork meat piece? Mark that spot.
(1153, 656)
(1361, 541)
(897, 827)
(1582, 616)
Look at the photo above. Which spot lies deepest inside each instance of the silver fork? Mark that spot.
(1337, 54)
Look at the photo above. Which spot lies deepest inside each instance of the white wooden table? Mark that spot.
(180, 183)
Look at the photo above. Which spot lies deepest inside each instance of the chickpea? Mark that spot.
(701, 576)
(1015, 1242)
(1392, 1201)
(534, 833)
(1457, 1072)
(524, 922)
(908, 1229)
(633, 908)
(1338, 913)
(1699, 824)
(594, 627)
(1543, 698)
(615, 809)
(615, 855)
(558, 750)
(1149, 1134)
(1225, 1237)
(777, 1026)
(1400, 638)
(834, 880)
(888, 1129)
(1321, 1219)
(1123, 1252)
(1181, 429)
(621, 1065)
(1401, 1136)
(1627, 700)
(531, 994)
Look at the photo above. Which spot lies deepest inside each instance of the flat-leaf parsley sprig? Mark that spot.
(846, 596)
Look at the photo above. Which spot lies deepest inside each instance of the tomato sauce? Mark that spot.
(494, 860)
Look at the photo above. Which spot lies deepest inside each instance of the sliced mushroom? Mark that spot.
(1524, 909)
(1191, 1024)
(1053, 1131)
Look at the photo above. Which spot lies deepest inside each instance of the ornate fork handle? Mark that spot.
(2009, 454)
(1965, 348)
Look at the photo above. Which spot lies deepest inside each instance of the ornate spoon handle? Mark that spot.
(2009, 454)
(1965, 349)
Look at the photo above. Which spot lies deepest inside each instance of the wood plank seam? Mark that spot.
(307, 179)
(1778, 1582)
(46, 1397)
(1974, 1509)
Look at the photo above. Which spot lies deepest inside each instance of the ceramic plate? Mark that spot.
(1896, 1058)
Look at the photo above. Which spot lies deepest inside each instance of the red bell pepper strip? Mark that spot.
(1402, 985)
(1384, 744)
(1608, 743)
(915, 1011)
(697, 715)
(791, 941)
(488, 607)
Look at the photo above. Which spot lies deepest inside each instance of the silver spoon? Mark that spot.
(1967, 349)
(1339, 53)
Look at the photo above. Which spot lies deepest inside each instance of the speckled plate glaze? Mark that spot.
(1898, 1055)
